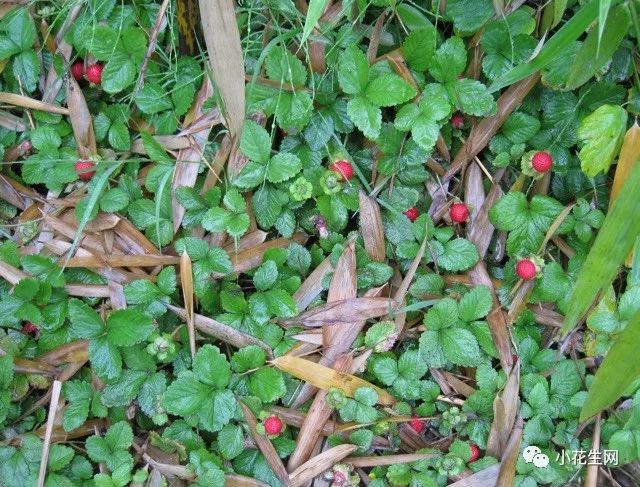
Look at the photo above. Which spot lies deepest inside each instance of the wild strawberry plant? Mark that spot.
(405, 230)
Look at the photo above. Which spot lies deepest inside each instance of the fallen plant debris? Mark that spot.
(329, 243)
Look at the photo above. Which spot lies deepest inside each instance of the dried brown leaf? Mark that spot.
(320, 463)
(189, 158)
(312, 285)
(505, 411)
(371, 227)
(251, 258)
(53, 408)
(81, 120)
(484, 131)
(223, 332)
(265, 446)
(222, 38)
(316, 417)
(344, 312)
(388, 459)
(483, 478)
(31, 103)
(510, 456)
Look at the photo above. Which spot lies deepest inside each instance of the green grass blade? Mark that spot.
(619, 369)
(597, 50)
(568, 33)
(315, 11)
(615, 240)
(101, 181)
(603, 11)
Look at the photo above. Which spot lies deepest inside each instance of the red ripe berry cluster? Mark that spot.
(93, 73)
(526, 269)
(541, 162)
(272, 425)
(475, 452)
(459, 213)
(412, 213)
(84, 169)
(343, 168)
(417, 425)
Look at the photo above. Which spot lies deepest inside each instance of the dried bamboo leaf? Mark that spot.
(505, 411)
(343, 286)
(251, 258)
(189, 158)
(122, 261)
(348, 334)
(496, 318)
(312, 285)
(482, 133)
(591, 479)
(222, 38)
(116, 295)
(235, 480)
(320, 463)
(265, 446)
(344, 312)
(31, 103)
(388, 459)
(186, 281)
(10, 122)
(507, 473)
(371, 227)
(221, 331)
(480, 229)
(316, 417)
(168, 142)
(324, 377)
(483, 478)
(53, 408)
(81, 120)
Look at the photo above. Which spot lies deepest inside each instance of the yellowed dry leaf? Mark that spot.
(505, 410)
(81, 120)
(325, 378)
(186, 281)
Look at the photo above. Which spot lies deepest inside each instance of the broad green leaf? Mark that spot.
(602, 133)
(85, 322)
(126, 327)
(267, 384)
(366, 116)
(613, 243)
(598, 47)
(388, 90)
(212, 367)
(619, 369)
(353, 74)
(568, 33)
(255, 142)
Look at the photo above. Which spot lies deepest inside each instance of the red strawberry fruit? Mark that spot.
(475, 452)
(459, 212)
(272, 425)
(412, 214)
(29, 328)
(94, 73)
(77, 70)
(83, 169)
(526, 269)
(542, 161)
(343, 168)
(417, 425)
(457, 121)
